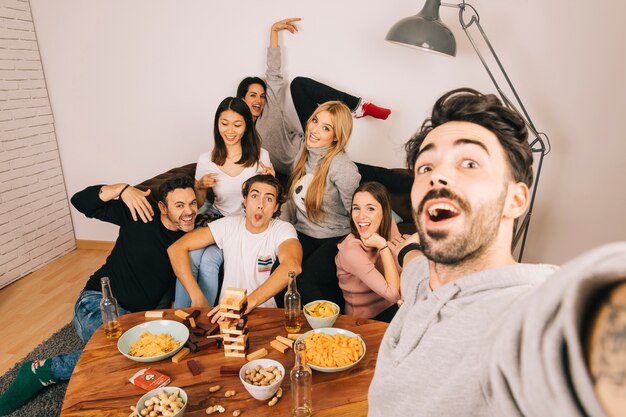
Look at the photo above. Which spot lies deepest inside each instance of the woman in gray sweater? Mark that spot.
(321, 186)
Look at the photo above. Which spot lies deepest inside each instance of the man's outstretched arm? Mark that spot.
(606, 351)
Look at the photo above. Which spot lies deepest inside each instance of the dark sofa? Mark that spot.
(397, 180)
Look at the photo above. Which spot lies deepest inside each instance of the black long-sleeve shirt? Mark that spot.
(138, 266)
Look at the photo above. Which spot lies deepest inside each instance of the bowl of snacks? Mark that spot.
(262, 377)
(332, 349)
(164, 401)
(153, 341)
(321, 313)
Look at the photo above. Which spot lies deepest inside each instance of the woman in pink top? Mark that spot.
(368, 272)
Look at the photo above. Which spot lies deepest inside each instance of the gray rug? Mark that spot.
(48, 402)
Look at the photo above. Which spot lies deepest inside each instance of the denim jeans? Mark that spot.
(86, 320)
(205, 265)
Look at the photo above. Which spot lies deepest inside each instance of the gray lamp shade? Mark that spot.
(424, 30)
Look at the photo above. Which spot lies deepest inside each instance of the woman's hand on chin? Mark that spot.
(374, 241)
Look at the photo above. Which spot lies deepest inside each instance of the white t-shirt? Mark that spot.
(249, 257)
(228, 198)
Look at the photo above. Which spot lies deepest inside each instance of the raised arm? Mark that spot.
(290, 258)
(285, 24)
(179, 257)
(100, 202)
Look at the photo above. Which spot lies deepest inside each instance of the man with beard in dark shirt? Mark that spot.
(138, 268)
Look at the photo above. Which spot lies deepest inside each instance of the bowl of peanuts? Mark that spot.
(262, 377)
(161, 402)
(332, 349)
(321, 313)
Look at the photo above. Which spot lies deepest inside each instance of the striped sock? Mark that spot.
(30, 379)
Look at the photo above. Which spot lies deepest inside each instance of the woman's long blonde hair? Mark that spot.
(342, 126)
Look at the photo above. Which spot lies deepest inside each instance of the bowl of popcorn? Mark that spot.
(262, 377)
(161, 402)
(321, 313)
(153, 341)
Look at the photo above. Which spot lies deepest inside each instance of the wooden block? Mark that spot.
(257, 354)
(237, 292)
(279, 346)
(235, 346)
(194, 367)
(285, 341)
(231, 315)
(192, 322)
(209, 328)
(180, 355)
(229, 370)
(207, 343)
(233, 303)
(232, 354)
(235, 331)
(154, 314)
(194, 314)
(241, 339)
(294, 336)
(182, 314)
(198, 331)
(195, 338)
(192, 346)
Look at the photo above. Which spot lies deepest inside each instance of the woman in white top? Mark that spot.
(236, 156)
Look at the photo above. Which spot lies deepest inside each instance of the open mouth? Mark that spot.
(363, 226)
(439, 212)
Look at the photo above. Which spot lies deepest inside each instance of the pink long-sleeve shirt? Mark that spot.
(360, 274)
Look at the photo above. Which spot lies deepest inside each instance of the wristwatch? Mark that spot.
(408, 248)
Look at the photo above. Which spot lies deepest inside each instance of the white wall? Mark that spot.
(35, 223)
(134, 86)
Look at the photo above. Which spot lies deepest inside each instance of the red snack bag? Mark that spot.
(149, 379)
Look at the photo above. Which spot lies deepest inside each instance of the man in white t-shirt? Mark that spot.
(252, 243)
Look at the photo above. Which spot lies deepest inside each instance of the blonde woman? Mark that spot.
(321, 186)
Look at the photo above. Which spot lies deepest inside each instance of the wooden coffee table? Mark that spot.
(99, 385)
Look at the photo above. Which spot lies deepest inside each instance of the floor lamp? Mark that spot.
(426, 31)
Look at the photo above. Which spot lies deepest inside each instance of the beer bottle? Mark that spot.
(292, 306)
(110, 313)
(301, 379)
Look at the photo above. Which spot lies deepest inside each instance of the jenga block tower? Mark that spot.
(234, 327)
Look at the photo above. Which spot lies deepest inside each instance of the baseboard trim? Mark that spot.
(94, 244)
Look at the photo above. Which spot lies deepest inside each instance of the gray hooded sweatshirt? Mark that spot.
(512, 351)
(428, 362)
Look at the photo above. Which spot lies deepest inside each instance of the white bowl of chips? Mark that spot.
(321, 313)
(172, 399)
(341, 349)
(153, 341)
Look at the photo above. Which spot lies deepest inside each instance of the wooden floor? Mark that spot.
(34, 307)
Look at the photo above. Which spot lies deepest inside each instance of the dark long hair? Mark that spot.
(486, 110)
(250, 143)
(245, 84)
(380, 194)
